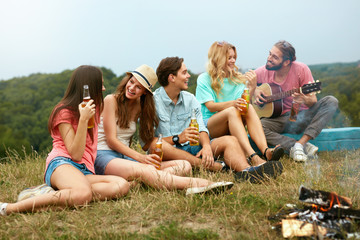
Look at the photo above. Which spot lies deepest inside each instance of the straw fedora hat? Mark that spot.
(145, 75)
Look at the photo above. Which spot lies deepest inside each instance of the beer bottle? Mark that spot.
(158, 151)
(246, 97)
(194, 123)
(86, 98)
(294, 111)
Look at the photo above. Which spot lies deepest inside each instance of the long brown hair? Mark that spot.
(147, 116)
(216, 66)
(83, 75)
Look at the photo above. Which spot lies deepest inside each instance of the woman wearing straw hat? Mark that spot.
(133, 101)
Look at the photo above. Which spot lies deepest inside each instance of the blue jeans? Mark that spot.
(103, 157)
(190, 149)
(58, 161)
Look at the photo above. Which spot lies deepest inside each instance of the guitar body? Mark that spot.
(273, 98)
(271, 109)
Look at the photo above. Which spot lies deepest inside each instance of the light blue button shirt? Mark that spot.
(173, 119)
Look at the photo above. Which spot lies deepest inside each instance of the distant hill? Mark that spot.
(26, 102)
(341, 80)
(25, 106)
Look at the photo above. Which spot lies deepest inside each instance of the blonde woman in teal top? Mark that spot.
(219, 92)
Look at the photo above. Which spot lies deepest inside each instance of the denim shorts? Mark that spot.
(190, 149)
(58, 161)
(205, 121)
(103, 157)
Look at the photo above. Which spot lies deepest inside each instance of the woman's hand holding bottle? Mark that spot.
(87, 111)
(151, 159)
(239, 103)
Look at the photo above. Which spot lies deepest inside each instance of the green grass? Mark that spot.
(147, 213)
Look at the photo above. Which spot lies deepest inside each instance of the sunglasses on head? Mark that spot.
(222, 43)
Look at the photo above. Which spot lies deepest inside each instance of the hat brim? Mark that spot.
(141, 80)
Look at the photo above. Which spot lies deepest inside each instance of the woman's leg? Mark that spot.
(256, 131)
(230, 121)
(231, 118)
(176, 167)
(74, 190)
(149, 175)
(108, 187)
(171, 152)
(229, 147)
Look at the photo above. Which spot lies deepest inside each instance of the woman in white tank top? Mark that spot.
(131, 101)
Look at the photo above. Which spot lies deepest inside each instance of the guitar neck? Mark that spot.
(281, 95)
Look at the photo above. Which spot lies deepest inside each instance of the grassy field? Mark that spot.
(146, 213)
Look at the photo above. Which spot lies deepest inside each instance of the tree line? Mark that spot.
(26, 102)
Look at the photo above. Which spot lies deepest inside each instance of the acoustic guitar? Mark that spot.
(273, 104)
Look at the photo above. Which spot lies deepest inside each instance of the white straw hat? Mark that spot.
(145, 75)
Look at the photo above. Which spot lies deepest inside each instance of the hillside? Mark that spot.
(26, 102)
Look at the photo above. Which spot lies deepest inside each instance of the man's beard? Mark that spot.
(275, 67)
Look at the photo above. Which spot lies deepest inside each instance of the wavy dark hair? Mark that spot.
(287, 50)
(83, 75)
(147, 116)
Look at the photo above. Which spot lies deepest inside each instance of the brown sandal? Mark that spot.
(277, 153)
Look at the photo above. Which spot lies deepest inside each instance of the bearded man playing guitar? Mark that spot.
(285, 80)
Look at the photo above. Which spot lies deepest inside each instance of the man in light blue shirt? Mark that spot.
(174, 107)
(179, 119)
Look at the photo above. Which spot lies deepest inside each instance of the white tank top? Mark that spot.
(122, 134)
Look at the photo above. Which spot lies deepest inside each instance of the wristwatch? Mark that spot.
(175, 139)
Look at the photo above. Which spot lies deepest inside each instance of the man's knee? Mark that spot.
(168, 148)
(329, 104)
(167, 145)
(169, 151)
(331, 101)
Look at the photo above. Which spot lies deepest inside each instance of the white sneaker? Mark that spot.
(34, 191)
(215, 187)
(3, 209)
(310, 149)
(297, 153)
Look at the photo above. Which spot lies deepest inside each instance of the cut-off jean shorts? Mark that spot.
(58, 161)
(103, 157)
(190, 149)
(206, 123)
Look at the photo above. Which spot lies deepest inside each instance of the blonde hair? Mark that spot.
(217, 66)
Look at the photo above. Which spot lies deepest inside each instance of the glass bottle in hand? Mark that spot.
(158, 151)
(294, 111)
(246, 96)
(86, 99)
(194, 123)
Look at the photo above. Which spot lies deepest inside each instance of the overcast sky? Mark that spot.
(49, 36)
